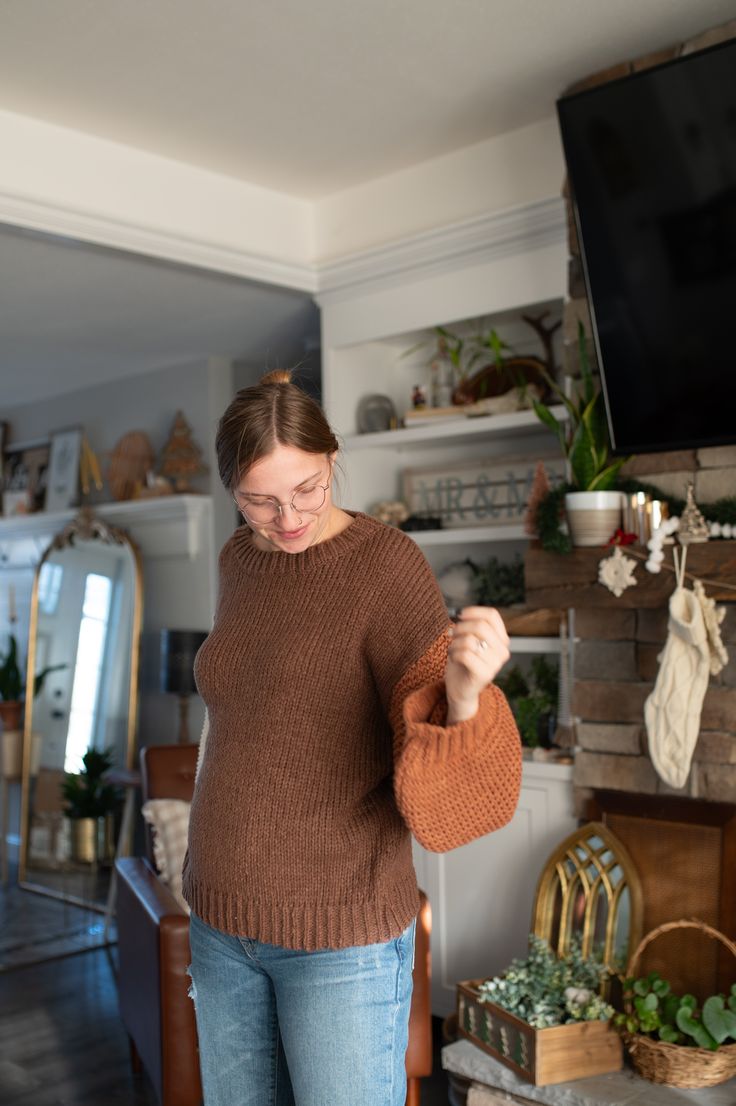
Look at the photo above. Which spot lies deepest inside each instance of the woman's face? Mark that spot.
(287, 475)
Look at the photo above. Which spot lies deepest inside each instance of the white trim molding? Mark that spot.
(443, 249)
(162, 526)
(103, 230)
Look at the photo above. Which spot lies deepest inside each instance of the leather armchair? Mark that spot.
(153, 950)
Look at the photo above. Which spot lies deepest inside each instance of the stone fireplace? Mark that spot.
(682, 842)
(619, 640)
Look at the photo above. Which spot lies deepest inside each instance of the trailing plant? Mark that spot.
(655, 1011)
(533, 700)
(583, 435)
(496, 584)
(86, 793)
(546, 990)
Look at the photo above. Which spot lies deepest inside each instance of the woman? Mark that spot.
(344, 714)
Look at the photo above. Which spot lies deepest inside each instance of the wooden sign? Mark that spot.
(477, 493)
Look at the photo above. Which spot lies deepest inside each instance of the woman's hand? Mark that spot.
(478, 651)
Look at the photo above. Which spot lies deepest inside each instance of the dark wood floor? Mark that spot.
(62, 1043)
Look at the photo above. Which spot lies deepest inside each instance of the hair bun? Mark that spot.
(278, 376)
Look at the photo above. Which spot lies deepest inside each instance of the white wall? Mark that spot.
(514, 169)
(178, 593)
(147, 402)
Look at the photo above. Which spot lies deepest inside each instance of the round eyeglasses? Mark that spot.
(305, 500)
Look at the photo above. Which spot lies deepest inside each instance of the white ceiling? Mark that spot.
(308, 98)
(304, 98)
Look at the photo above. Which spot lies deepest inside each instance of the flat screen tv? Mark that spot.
(651, 160)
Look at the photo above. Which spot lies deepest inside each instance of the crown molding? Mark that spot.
(470, 242)
(100, 230)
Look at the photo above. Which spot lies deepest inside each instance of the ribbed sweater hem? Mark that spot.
(304, 926)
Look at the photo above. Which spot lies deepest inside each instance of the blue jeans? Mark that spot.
(283, 1027)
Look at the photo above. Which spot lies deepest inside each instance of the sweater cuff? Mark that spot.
(425, 710)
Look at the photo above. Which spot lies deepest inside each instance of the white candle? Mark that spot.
(12, 613)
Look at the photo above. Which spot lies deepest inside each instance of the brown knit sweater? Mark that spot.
(322, 679)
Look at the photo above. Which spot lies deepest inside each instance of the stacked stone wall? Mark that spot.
(616, 654)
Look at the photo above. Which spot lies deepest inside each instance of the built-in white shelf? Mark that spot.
(162, 526)
(534, 644)
(447, 431)
(470, 535)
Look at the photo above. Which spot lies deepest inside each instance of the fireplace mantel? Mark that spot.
(562, 580)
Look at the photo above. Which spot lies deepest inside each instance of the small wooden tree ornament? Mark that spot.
(181, 457)
(539, 491)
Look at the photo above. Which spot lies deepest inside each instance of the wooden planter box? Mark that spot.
(541, 1056)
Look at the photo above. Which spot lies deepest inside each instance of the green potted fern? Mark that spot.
(592, 505)
(89, 804)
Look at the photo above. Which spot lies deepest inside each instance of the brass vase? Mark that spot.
(92, 840)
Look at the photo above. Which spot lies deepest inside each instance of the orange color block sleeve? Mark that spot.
(454, 783)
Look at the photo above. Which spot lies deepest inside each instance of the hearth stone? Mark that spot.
(622, 1088)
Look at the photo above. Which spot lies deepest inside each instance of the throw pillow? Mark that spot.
(169, 819)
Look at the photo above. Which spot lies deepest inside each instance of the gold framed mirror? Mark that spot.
(81, 708)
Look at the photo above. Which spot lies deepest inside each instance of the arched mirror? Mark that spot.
(81, 708)
(589, 890)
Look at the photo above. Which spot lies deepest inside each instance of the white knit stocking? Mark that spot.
(672, 711)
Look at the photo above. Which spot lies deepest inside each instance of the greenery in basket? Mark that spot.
(533, 698)
(583, 435)
(546, 990)
(86, 794)
(655, 1011)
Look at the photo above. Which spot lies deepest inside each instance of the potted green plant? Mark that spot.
(11, 687)
(592, 505)
(533, 700)
(89, 804)
(12, 705)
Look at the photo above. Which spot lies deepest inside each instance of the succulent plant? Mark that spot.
(546, 990)
(656, 1011)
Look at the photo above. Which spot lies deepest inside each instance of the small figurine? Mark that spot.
(419, 396)
(391, 511)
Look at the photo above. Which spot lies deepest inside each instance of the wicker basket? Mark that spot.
(679, 1065)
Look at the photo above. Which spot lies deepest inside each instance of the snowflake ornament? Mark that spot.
(617, 572)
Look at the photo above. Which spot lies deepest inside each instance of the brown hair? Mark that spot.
(273, 412)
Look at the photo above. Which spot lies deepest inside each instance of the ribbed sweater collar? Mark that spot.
(316, 556)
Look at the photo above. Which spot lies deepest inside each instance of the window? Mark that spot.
(93, 631)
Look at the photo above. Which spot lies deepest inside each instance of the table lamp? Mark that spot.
(178, 650)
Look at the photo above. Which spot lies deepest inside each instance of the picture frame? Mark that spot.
(24, 477)
(491, 492)
(17, 502)
(62, 489)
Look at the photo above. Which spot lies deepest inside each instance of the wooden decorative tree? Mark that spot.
(539, 490)
(181, 457)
